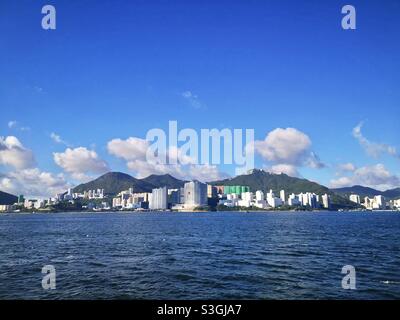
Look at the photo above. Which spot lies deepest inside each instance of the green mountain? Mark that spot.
(6, 198)
(262, 180)
(392, 194)
(367, 192)
(167, 180)
(115, 182)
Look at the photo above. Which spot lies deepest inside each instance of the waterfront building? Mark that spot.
(220, 189)
(159, 199)
(212, 191)
(355, 198)
(282, 196)
(21, 199)
(6, 208)
(379, 202)
(174, 196)
(246, 199)
(293, 200)
(312, 200)
(272, 200)
(395, 204)
(375, 203)
(195, 194)
(259, 195)
(236, 189)
(326, 201)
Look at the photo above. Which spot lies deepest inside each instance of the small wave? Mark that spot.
(390, 282)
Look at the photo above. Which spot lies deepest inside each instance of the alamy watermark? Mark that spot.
(349, 20)
(49, 280)
(349, 280)
(49, 20)
(210, 147)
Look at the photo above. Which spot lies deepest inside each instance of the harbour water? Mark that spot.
(224, 255)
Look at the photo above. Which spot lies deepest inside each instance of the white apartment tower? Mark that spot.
(159, 199)
(195, 194)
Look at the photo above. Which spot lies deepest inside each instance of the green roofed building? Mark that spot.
(236, 189)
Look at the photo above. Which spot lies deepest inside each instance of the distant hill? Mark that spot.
(167, 180)
(6, 198)
(115, 182)
(367, 192)
(392, 194)
(262, 180)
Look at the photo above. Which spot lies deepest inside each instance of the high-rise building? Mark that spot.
(21, 199)
(195, 194)
(159, 199)
(236, 189)
(282, 195)
(260, 195)
(212, 191)
(375, 203)
(293, 200)
(326, 201)
(174, 196)
(379, 202)
(355, 198)
(247, 199)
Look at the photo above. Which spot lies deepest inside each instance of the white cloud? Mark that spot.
(287, 149)
(133, 150)
(13, 124)
(346, 167)
(130, 149)
(193, 99)
(375, 176)
(288, 169)
(57, 139)
(373, 149)
(80, 163)
(33, 183)
(284, 146)
(13, 153)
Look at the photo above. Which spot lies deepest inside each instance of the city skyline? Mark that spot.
(77, 101)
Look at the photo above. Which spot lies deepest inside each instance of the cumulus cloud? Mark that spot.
(80, 163)
(287, 149)
(134, 150)
(346, 167)
(288, 169)
(375, 176)
(33, 183)
(130, 149)
(289, 146)
(373, 149)
(13, 153)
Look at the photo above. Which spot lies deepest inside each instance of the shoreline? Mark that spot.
(200, 211)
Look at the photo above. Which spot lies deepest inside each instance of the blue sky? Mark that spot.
(115, 69)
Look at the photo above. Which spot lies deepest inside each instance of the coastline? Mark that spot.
(195, 211)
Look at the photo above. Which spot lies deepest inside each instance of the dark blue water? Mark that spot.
(200, 255)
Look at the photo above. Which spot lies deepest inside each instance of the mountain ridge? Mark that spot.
(367, 192)
(115, 182)
(7, 198)
(261, 180)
